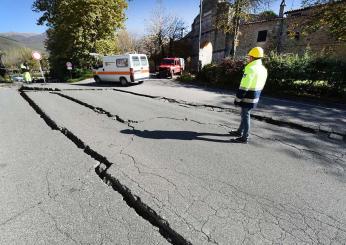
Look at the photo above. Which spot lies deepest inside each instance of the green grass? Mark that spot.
(83, 76)
(5, 79)
(315, 83)
(187, 77)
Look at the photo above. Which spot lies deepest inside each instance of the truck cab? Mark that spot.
(171, 66)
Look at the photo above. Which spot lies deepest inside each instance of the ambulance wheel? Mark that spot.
(97, 79)
(123, 81)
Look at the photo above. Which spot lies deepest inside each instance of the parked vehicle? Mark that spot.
(171, 66)
(17, 78)
(127, 68)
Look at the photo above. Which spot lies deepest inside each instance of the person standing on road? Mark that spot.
(26, 73)
(251, 86)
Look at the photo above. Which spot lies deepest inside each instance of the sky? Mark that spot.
(17, 16)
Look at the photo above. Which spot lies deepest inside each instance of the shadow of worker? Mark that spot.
(176, 135)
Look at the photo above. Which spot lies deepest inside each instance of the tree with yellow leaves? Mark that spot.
(77, 28)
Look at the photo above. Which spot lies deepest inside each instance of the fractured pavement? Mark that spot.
(50, 193)
(180, 163)
(305, 116)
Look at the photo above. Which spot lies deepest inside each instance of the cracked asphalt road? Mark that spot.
(49, 191)
(285, 187)
(324, 117)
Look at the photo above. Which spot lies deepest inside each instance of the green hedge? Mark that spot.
(307, 75)
(227, 74)
(186, 77)
(310, 75)
(79, 75)
(5, 79)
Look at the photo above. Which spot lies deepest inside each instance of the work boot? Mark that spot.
(241, 140)
(235, 133)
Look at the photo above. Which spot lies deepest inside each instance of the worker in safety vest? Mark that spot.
(26, 74)
(251, 86)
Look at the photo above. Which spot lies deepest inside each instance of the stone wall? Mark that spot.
(249, 34)
(295, 42)
(209, 33)
(292, 40)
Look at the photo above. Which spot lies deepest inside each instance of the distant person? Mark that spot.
(2, 68)
(26, 73)
(249, 92)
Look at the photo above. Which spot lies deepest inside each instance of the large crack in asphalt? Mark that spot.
(132, 200)
(305, 128)
(129, 122)
(98, 110)
(322, 156)
(269, 120)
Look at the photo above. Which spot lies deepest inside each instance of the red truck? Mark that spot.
(171, 66)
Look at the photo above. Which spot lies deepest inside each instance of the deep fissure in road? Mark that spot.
(96, 109)
(133, 201)
(262, 118)
(102, 111)
(293, 125)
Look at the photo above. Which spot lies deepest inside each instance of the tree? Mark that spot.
(327, 14)
(175, 31)
(77, 28)
(158, 31)
(230, 13)
(164, 29)
(106, 46)
(127, 42)
(12, 58)
(267, 15)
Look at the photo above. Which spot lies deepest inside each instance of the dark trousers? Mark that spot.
(244, 127)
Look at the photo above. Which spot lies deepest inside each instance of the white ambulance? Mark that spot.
(127, 68)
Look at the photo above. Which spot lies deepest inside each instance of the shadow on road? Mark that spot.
(176, 135)
(299, 112)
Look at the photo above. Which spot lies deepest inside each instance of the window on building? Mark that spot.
(296, 14)
(297, 35)
(262, 36)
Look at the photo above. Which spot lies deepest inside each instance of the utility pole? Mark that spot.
(200, 34)
(182, 32)
(281, 27)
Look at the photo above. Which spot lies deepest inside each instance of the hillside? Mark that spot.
(8, 43)
(29, 40)
(35, 42)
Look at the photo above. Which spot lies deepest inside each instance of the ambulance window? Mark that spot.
(135, 61)
(122, 62)
(109, 63)
(144, 61)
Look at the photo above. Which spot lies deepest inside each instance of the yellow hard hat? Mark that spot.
(256, 52)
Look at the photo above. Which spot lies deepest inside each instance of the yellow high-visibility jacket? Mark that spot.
(252, 84)
(27, 77)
